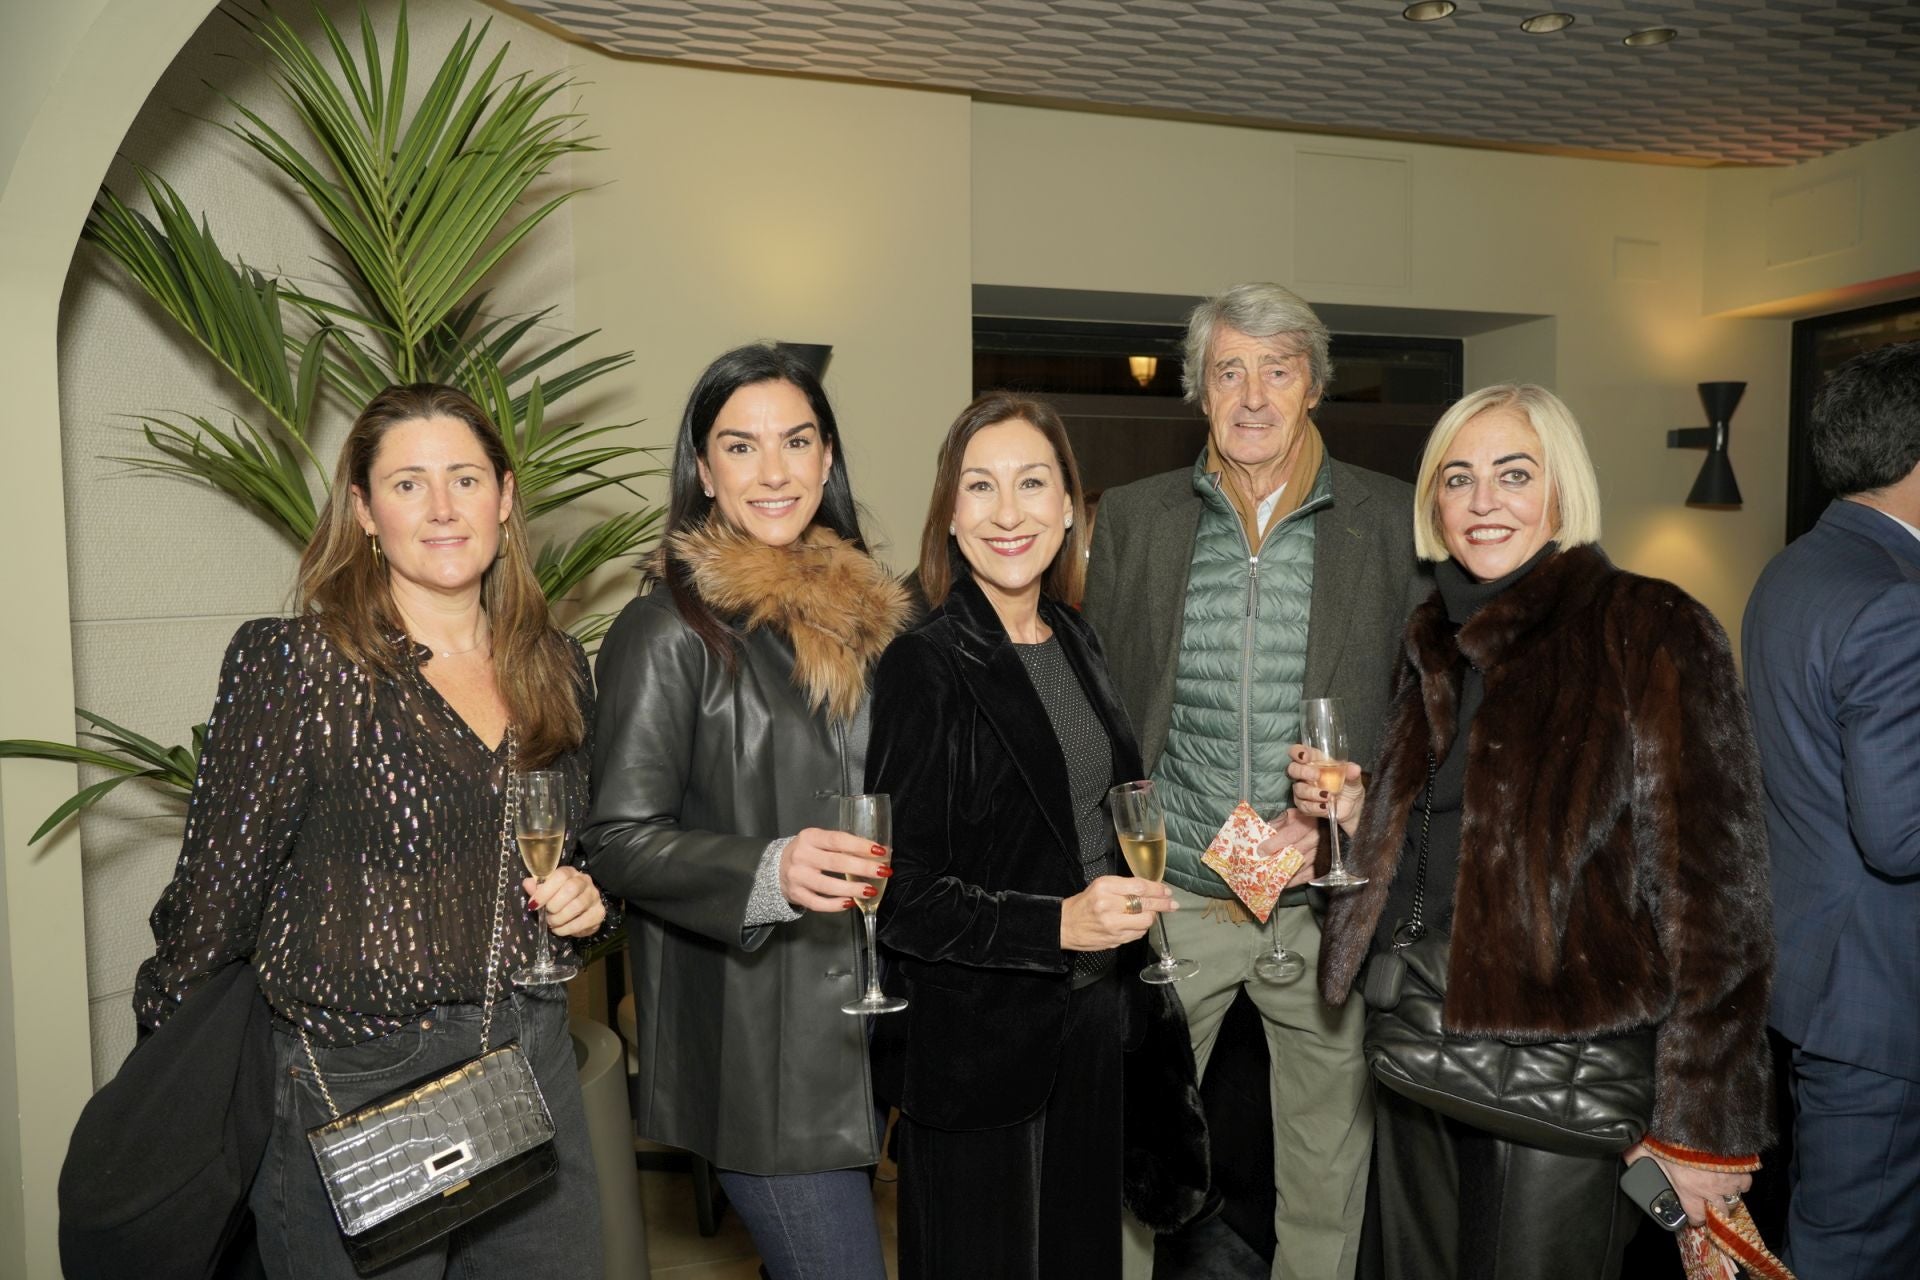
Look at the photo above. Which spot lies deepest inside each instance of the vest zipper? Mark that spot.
(1246, 677)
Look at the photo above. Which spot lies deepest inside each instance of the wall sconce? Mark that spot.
(814, 355)
(1715, 486)
(1143, 369)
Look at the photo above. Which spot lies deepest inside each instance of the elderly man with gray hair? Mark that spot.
(1225, 594)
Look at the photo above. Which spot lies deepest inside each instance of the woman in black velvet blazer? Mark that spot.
(997, 732)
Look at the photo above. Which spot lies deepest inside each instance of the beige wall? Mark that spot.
(1612, 253)
(76, 74)
(1826, 235)
(729, 208)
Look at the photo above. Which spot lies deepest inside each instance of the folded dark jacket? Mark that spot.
(157, 1173)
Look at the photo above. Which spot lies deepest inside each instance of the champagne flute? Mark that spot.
(1282, 963)
(1324, 734)
(540, 830)
(870, 818)
(1141, 824)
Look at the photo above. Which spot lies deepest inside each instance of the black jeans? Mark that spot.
(1448, 1201)
(554, 1229)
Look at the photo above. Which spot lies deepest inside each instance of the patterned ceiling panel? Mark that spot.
(1745, 82)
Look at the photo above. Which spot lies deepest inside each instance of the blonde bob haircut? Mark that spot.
(1572, 489)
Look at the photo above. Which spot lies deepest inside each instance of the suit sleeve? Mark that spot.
(931, 910)
(1701, 829)
(1876, 686)
(651, 671)
(1103, 565)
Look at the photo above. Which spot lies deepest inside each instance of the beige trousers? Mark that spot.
(1321, 1094)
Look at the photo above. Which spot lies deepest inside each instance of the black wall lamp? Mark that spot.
(1715, 486)
(814, 355)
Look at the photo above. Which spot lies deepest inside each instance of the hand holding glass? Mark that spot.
(870, 818)
(1141, 824)
(1325, 735)
(540, 829)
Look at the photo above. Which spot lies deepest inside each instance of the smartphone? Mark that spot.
(1647, 1186)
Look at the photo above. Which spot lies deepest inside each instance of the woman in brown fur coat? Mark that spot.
(1595, 848)
(731, 713)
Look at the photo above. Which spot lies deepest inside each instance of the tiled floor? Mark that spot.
(678, 1251)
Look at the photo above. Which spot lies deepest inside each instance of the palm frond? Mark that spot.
(251, 466)
(128, 756)
(563, 566)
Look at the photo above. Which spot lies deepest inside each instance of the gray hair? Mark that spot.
(1260, 311)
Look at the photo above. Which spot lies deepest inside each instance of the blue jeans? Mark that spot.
(810, 1226)
(551, 1230)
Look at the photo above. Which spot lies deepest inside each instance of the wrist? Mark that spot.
(1694, 1158)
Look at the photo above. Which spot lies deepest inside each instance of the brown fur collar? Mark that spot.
(838, 606)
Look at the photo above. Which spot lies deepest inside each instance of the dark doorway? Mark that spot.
(1820, 345)
(1118, 388)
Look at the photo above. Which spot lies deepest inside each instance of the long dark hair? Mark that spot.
(689, 507)
(346, 586)
(940, 558)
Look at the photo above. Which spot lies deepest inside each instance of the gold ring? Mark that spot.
(1133, 904)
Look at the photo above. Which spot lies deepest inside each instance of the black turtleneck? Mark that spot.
(1463, 597)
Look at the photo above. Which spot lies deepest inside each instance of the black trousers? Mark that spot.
(1448, 1201)
(1038, 1200)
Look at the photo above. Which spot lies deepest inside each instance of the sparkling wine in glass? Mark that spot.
(870, 818)
(1141, 824)
(1325, 735)
(540, 830)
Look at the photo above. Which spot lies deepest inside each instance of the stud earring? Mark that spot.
(1069, 519)
(708, 492)
(952, 532)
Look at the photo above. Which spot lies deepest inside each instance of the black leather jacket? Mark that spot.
(745, 1056)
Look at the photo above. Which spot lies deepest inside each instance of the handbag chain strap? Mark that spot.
(1405, 935)
(508, 820)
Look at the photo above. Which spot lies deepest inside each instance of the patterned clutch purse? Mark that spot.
(405, 1171)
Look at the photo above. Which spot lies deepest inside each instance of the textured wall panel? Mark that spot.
(1351, 220)
(1809, 221)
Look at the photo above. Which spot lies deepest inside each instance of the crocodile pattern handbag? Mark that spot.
(1576, 1097)
(405, 1170)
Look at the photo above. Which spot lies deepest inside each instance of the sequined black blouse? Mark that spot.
(344, 832)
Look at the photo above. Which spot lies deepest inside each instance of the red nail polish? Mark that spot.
(533, 906)
(883, 872)
(878, 851)
(849, 902)
(870, 892)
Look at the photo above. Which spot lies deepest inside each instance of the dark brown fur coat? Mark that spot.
(1613, 848)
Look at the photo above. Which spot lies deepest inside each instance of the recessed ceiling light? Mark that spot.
(1541, 24)
(1429, 11)
(1650, 37)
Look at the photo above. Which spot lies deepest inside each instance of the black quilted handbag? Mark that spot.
(406, 1169)
(1576, 1097)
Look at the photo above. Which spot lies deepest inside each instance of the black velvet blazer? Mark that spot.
(985, 850)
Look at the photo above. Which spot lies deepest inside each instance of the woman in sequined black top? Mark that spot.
(997, 731)
(345, 832)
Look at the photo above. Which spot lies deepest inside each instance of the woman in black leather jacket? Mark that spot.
(731, 713)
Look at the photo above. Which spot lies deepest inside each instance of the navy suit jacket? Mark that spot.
(1832, 650)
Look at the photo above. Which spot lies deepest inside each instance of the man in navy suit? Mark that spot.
(1832, 646)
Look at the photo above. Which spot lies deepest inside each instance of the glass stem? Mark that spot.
(1337, 866)
(543, 945)
(1166, 953)
(873, 959)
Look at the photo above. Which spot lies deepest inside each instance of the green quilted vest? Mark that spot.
(1236, 695)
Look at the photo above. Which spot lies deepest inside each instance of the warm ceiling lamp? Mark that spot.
(1429, 11)
(1541, 24)
(1143, 368)
(1715, 486)
(1648, 38)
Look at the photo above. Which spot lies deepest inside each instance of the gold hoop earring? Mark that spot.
(373, 540)
(506, 540)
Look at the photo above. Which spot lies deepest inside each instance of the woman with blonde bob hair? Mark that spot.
(348, 833)
(1569, 786)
